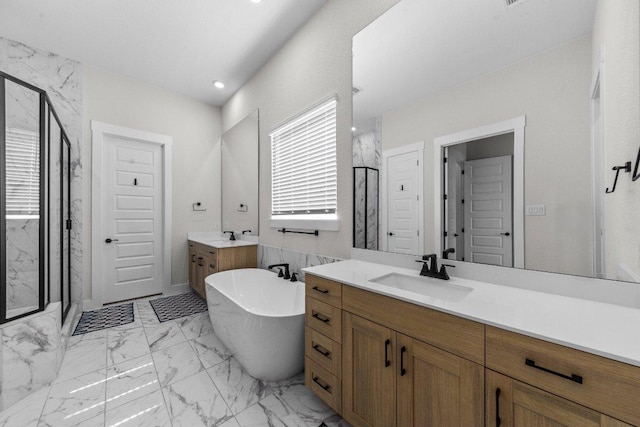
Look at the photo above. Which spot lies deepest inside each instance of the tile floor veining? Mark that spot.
(176, 373)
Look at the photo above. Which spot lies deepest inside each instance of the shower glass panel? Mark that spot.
(21, 207)
(35, 223)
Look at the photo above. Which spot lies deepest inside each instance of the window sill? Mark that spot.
(324, 224)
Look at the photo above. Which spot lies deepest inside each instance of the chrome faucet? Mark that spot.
(430, 267)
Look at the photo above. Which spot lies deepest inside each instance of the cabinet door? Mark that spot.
(511, 403)
(193, 267)
(368, 367)
(201, 273)
(437, 388)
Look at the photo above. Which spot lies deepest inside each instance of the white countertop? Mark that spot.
(606, 330)
(218, 240)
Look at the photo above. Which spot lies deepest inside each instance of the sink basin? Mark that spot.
(435, 288)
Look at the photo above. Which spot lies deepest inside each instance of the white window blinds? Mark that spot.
(22, 153)
(303, 163)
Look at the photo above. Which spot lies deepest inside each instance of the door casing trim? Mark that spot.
(515, 125)
(98, 132)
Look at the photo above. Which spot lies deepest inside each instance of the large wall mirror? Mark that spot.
(240, 172)
(487, 133)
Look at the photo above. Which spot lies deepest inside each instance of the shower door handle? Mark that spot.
(110, 240)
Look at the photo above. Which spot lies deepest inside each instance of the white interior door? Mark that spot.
(403, 213)
(488, 211)
(132, 218)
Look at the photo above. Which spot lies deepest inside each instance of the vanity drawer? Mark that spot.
(325, 385)
(324, 290)
(608, 386)
(324, 318)
(324, 351)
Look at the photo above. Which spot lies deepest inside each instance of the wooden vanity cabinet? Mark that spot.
(206, 260)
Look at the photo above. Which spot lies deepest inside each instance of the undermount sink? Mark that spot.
(435, 288)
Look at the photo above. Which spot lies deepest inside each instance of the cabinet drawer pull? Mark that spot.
(326, 387)
(498, 420)
(575, 378)
(387, 362)
(324, 291)
(321, 350)
(200, 259)
(403, 371)
(193, 258)
(322, 318)
(212, 253)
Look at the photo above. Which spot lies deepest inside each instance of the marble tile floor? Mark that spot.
(176, 373)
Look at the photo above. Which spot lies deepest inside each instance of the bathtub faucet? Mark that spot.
(286, 274)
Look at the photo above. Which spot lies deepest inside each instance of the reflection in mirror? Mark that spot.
(450, 75)
(240, 171)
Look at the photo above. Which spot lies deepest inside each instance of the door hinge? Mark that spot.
(463, 201)
(444, 197)
(417, 162)
(417, 232)
(462, 172)
(462, 259)
(68, 224)
(444, 160)
(445, 234)
(417, 197)
(463, 230)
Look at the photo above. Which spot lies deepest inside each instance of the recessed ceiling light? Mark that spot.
(256, 1)
(353, 129)
(218, 84)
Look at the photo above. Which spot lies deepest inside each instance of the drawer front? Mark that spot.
(323, 351)
(454, 334)
(607, 386)
(324, 290)
(326, 386)
(324, 318)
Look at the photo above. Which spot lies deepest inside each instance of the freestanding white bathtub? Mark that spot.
(259, 317)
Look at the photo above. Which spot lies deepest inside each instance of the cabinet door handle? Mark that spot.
(212, 266)
(321, 350)
(575, 378)
(324, 291)
(324, 386)
(403, 371)
(322, 318)
(387, 362)
(498, 420)
(200, 259)
(193, 258)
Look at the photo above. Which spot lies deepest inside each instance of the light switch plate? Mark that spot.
(536, 210)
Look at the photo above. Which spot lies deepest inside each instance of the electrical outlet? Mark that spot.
(536, 210)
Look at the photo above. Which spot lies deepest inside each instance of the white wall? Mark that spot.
(552, 91)
(195, 128)
(616, 36)
(315, 63)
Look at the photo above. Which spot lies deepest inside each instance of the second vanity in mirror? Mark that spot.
(497, 149)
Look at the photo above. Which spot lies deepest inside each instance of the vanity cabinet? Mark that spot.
(391, 378)
(597, 385)
(205, 260)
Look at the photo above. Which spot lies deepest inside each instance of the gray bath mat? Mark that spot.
(176, 306)
(104, 318)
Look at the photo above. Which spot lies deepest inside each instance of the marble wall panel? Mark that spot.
(268, 255)
(22, 264)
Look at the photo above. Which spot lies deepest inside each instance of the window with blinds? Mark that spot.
(22, 154)
(303, 165)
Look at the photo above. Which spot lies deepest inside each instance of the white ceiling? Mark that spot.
(419, 47)
(178, 45)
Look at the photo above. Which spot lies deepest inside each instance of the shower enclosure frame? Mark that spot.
(46, 114)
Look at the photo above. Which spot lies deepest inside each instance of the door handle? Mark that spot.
(505, 234)
(110, 240)
(390, 234)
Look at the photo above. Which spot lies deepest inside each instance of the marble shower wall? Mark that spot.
(268, 255)
(367, 148)
(61, 78)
